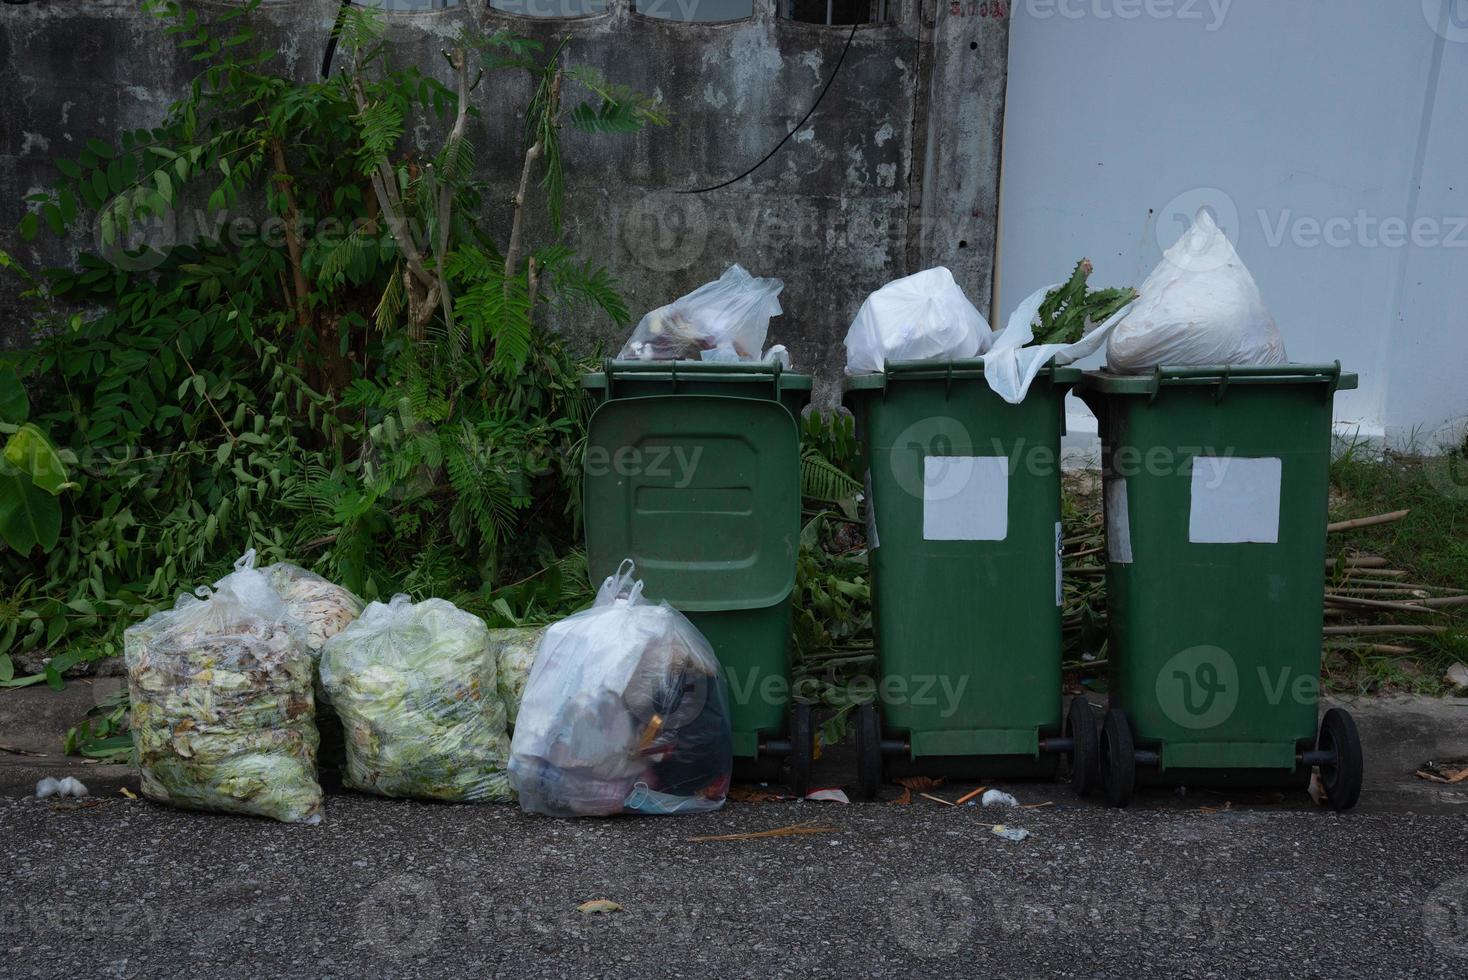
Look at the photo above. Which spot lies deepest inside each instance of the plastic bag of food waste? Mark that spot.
(724, 320)
(924, 316)
(414, 684)
(222, 711)
(322, 607)
(514, 654)
(625, 711)
(1199, 306)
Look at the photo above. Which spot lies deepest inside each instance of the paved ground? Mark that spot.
(1173, 886)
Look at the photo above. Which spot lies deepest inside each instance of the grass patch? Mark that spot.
(1430, 544)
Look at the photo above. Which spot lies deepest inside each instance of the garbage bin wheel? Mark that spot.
(1080, 727)
(801, 750)
(868, 751)
(1342, 778)
(1118, 759)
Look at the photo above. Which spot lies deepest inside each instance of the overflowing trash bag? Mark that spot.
(724, 320)
(415, 687)
(922, 317)
(625, 712)
(927, 317)
(223, 716)
(1199, 306)
(514, 651)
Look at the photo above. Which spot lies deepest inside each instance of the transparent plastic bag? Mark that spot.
(222, 711)
(1199, 306)
(322, 607)
(625, 712)
(724, 320)
(922, 317)
(514, 653)
(414, 685)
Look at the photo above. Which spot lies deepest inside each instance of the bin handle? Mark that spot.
(614, 369)
(1222, 374)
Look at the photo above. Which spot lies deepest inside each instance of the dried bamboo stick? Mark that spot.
(1384, 630)
(1395, 515)
(1357, 561)
(1358, 603)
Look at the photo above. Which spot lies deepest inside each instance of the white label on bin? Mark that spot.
(873, 542)
(1235, 500)
(1118, 522)
(965, 498)
(1059, 582)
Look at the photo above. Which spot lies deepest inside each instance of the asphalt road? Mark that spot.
(401, 889)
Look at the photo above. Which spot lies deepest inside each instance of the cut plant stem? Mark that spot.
(1359, 603)
(1391, 649)
(809, 827)
(1379, 630)
(1357, 561)
(1395, 515)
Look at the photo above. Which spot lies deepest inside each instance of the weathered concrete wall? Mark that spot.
(896, 170)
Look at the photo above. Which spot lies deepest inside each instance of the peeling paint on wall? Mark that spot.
(838, 211)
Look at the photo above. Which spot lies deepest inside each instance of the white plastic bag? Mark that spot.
(222, 711)
(1199, 306)
(1010, 367)
(724, 320)
(415, 686)
(922, 317)
(926, 317)
(625, 711)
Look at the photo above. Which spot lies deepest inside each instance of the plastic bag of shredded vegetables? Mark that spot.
(415, 687)
(625, 712)
(222, 710)
(514, 653)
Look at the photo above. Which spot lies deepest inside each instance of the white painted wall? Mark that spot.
(1329, 136)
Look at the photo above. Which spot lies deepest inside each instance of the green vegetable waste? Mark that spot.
(415, 687)
(514, 653)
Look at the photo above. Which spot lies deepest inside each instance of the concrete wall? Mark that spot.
(896, 170)
(1327, 135)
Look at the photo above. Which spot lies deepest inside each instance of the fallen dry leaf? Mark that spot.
(129, 793)
(752, 794)
(598, 905)
(906, 796)
(919, 783)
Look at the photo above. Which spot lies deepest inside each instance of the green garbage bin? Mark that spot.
(692, 469)
(1215, 484)
(963, 509)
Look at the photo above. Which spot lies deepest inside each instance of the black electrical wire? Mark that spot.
(804, 119)
(336, 30)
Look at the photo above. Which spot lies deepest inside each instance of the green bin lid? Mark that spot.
(1110, 383)
(743, 372)
(956, 369)
(701, 491)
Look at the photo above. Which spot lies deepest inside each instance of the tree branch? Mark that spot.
(512, 254)
(292, 232)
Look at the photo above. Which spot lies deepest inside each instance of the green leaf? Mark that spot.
(111, 747)
(30, 452)
(14, 405)
(7, 668)
(29, 225)
(28, 515)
